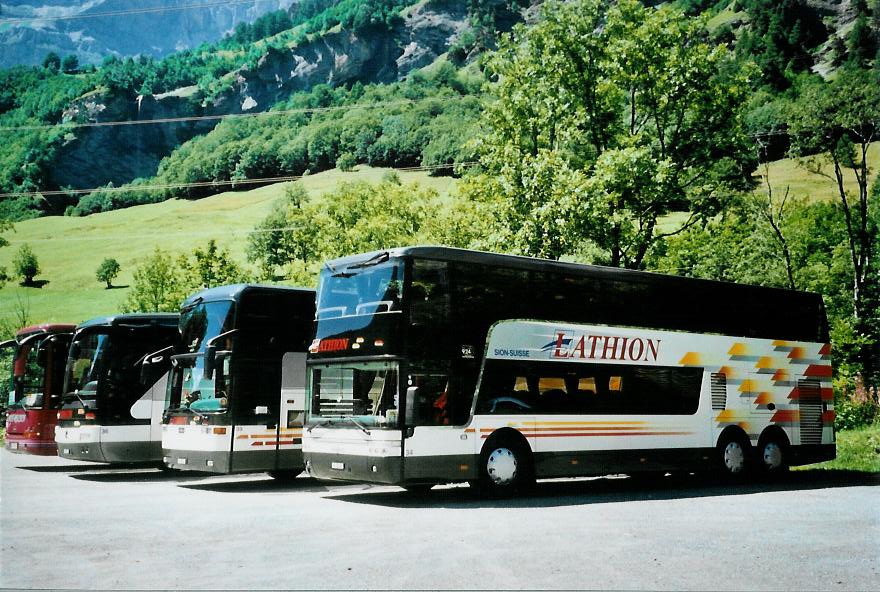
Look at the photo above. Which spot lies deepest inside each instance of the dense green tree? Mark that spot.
(210, 267)
(607, 118)
(837, 122)
(5, 226)
(780, 36)
(863, 41)
(157, 285)
(355, 217)
(107, 271)
(52, 61)
(70, 64)
(26, 264)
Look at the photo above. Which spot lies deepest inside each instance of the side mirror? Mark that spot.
(210, 360)
(42, 357)
(145, 372)
(74, 349)
(410, 415)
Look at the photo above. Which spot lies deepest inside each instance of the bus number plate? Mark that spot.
(338, 466)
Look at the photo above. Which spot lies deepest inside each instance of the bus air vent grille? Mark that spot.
(810, 399)
(719, 391)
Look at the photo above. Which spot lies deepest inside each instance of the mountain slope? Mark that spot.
(164, 27)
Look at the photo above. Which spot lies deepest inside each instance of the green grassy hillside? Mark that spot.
(70, 249)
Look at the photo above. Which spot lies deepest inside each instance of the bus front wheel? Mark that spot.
(505, 468)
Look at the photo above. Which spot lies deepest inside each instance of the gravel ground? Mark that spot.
(72, 525)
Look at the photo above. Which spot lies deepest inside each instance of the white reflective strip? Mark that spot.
(193, 437)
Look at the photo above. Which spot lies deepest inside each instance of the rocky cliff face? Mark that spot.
(93, 157)
(344, 57)
(336, 58)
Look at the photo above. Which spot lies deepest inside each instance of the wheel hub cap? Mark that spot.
(772, 455)
(734, 457)
(501, 466)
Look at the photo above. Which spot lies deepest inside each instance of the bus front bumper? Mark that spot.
(22, 445)
(205, 461)
(349, 467)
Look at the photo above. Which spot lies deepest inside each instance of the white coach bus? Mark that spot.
(236, 394)
(423, 371)
(111, 410)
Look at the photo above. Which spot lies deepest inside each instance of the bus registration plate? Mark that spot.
(338, 466)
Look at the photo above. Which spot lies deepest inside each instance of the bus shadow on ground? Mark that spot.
(260, 484)
(82, 468)
(605, 490)
(139, 475)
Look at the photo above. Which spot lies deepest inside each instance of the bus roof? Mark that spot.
(47, 328)
(550, 265)
(235, 291)
(168, 319)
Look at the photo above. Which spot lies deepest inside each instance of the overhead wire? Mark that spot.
(200, 184)
(256, 114)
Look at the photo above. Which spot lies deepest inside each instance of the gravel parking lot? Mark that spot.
(75, 525)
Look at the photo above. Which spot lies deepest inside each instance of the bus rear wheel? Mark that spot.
(772, 456)
(505, 468)
(733, 457)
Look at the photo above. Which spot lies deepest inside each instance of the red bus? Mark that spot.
(38, 362)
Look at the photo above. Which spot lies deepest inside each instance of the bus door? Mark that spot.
(55, 364)
(7, 354)
(437, 446)
(288, 442)
(153, 383)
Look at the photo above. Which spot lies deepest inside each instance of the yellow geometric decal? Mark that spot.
(738, 349)
(690, 359)
(748, 386)
(780, 376)
(764, 399)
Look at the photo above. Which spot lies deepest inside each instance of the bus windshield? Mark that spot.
(364, 393)
(29, 376)
(85, 366)
(191, 388)
(361, 289)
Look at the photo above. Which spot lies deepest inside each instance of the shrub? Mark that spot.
(26, 265)
(346, 162)
(855, 405)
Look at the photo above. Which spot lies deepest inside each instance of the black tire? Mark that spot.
(734, 457)
(772, 456)
(506, 468)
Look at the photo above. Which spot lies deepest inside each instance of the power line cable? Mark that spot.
(132, 11)
(200, 184)
(165, 120)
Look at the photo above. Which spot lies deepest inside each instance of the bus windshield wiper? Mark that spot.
(319, 424)
(202, 415)
(76, 394)
(358, 424)
(374, 260)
